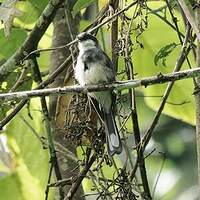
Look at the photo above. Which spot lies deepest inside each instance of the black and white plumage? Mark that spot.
(93, 67)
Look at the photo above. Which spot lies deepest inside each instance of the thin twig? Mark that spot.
(128, 156)
(122, 85)
(88, 31)
(190, 18)
(53, 158)
(62, 183)
(76, 184)
(132, 174)
(44, 144)
(20, 79)
(32, 40)
(183, 54)
(158, 175)
(134, 114)
(174, 19)
(165, 20)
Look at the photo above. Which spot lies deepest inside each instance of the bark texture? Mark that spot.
(64, 24)
(197, 95)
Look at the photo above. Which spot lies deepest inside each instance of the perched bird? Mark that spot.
(94, 67)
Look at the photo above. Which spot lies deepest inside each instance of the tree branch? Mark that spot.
(45, 112)
(81, 176)
(51, 77)
(91, 30)
(114, 34)
(159, 79)
(183, 55)
(32, 40)
(190, 18)
(197, 96)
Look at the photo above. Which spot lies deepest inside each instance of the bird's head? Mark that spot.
(86, 41)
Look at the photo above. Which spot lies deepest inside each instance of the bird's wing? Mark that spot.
(96, 55)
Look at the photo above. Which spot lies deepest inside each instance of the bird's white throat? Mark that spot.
(85, 45)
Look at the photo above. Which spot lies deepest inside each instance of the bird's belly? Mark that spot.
(95, 74)
(80, 73)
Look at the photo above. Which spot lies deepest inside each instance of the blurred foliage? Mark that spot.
(28, 167)
(79, 5)
(26, 174)
(25, 177)
(181, 101)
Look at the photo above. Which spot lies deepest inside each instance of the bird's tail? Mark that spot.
(112, 134)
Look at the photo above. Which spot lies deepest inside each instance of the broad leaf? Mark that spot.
(29, 17)
(16, 38)
(30, 161)
(181, 101)
(38, 4)
(80, 4)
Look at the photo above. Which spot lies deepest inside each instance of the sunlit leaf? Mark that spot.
(30, 14)
(38, 4)
(80, 4)
(28, 156)
(180, 103)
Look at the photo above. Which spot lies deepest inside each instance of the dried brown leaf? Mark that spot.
(8, 12)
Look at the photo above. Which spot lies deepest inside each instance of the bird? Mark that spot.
(93, 66)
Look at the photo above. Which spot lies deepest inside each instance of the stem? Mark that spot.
(32, 40)
(197, 95)
(81, 176)
(53, 159)
(134, 114)
(190, 18)
(183, 55)
(114, 35)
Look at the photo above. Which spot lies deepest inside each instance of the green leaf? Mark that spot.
(163, 53)
(30, 160)
(5, 106)
(79, 5)
(30, 14)
(15, 39)
(12, 182)
(38, 4)
(180, 103)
